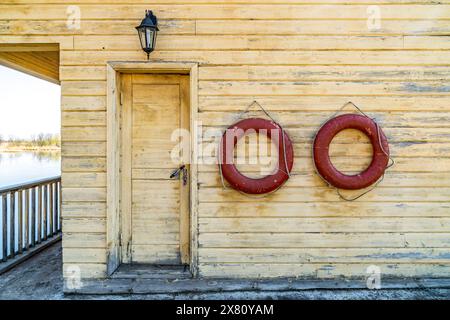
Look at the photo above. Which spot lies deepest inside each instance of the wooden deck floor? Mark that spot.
(41, 278)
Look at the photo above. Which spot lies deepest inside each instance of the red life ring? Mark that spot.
(243, 183)
(380, 152)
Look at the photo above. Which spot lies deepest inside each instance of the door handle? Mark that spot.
(181, 171)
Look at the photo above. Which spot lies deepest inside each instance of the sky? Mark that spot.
(28, 105)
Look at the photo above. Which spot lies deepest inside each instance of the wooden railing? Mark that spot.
(30, 215)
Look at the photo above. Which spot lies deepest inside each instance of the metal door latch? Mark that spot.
(180, 171)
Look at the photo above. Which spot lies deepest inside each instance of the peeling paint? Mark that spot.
(405, 255)
(412, 87)
(410, 143)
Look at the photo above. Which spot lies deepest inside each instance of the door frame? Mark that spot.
(113, 158)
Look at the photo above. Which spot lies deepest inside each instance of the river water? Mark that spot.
(21, 167)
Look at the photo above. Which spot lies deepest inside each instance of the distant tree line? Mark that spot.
(39, 140)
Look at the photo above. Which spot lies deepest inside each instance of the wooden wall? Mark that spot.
(301, 59)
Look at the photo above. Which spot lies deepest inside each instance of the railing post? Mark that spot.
(19, 222)
(51, 209)
(12, 223)
(4, 228)
(39, 214)
(26, 221)
(56, 207)
(45, 211)
(59, 206)
(33, 217)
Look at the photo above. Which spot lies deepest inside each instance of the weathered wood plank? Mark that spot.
(328, 224)
(84, 225)
(325, 209)
(84, 194)
(324, 255)
(255, 57)
(89, 73)
(360, 151)
(311, 180)
(316, 27)
(317, 118)
(253, 42)
(324, 193)
(84, 255)
(83, 209)
(78, 119)
(324, 103)
(305, 164)
(395, 135)
(41, 27)
(64, 42)
(165, 254)
(84, 179)
(397, 2)
(84, 240)
(83, 133)
(83, 164)
(83, 103)
(83, 149)
(158, 238)
(319, 73)
(321, 271)
(324, 240)
(83, 88)
(223, 11)
(378, 88)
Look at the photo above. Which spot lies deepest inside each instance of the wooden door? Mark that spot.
(155, 208)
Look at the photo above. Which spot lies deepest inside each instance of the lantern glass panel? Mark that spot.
(147, 37)
(141, 38)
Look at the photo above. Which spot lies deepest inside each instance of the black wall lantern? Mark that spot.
(147, 32)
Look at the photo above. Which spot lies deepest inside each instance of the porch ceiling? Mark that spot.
(39, 60)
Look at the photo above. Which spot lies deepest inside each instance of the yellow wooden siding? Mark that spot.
(301, 59)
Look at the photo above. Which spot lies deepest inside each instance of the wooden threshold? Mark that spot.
(195, 285)
(146, 271)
